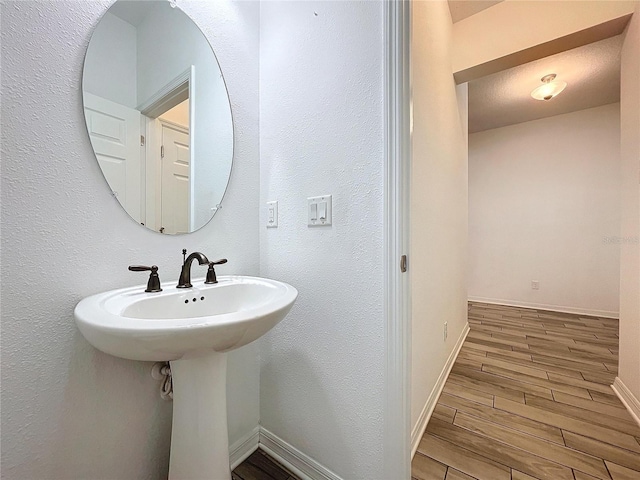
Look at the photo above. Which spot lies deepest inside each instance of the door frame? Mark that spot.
(397, 308)
(171, 94)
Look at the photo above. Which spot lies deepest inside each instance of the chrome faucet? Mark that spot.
(185, 274)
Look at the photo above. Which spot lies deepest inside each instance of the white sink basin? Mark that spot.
(178, 322)
(191, 328)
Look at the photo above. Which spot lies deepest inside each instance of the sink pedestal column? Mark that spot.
(199, 439)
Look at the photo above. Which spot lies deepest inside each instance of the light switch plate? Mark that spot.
(314, 214)
(272, 214)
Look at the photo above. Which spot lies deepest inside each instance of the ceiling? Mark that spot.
(592, 73)
(133, 12)
(461, 9)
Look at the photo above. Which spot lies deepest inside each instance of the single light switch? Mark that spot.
(272, 214)
(319, 209)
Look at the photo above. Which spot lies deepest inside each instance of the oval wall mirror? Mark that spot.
(158, 115)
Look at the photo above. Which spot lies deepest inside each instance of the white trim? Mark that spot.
(543, 306)
(628, 399)
(174, 126)
(240, 450)
(192, 147)
(143, 170)
(397, 301)
(423, 420)
(168, 96)
(153, 169)
(299, 463)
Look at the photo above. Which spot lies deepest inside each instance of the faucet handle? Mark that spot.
(211, 273)
(142, 268)
(153, 285)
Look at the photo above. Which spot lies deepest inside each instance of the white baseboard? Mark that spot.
(299, 463)
(543, 306)
(425, 415)
(240, 450)
(627, 398)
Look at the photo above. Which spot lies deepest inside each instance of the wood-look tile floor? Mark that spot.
(260, 466)
(529, 397)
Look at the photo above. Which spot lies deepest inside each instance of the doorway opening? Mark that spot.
(168, 156)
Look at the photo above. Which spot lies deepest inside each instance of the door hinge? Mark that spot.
(162, 151)
(142, 140)
(403, 263)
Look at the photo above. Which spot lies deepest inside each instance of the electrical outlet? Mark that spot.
(535, 285)
(445, 331)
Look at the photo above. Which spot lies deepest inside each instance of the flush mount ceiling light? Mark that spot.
(549, 88)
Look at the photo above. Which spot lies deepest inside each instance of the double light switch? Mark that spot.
(319, 210)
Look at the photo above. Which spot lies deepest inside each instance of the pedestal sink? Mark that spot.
(192, 328)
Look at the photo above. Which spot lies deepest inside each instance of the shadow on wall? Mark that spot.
(322, 408)
(97, 435)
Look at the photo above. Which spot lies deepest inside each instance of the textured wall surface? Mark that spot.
(68, 410)
(438, 202)
(321, 132)
(544, 204)
(630, 218)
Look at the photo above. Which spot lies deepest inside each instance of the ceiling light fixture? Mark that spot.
(549, 88)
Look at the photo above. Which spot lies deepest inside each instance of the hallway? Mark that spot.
(529, 397)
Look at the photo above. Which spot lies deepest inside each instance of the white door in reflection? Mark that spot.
(176, 186)
(114, 131)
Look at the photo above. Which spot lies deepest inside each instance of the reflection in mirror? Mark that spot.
(158, 115)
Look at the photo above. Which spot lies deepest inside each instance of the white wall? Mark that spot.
(110, 68)
(69, 411)
(630, 213)
(438, 256)
(321, 132)
(544, 205)
(167, 30)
